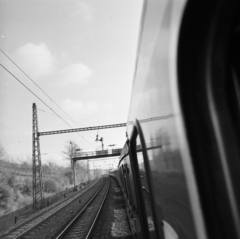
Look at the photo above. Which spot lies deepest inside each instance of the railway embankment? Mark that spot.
(14, 218)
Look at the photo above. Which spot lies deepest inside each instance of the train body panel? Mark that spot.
(168, 187)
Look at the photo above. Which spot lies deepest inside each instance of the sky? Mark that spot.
(82, 54)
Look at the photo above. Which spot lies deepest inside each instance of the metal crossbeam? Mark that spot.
(82, 129)
(102, 126)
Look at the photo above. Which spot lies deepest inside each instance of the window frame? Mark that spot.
(137, 131)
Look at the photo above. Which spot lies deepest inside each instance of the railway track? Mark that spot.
(47, 223)
(83, 223)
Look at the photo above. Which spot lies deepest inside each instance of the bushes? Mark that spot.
(11, 199)
(26, 188)
(68, 174)
(13, 195)
(8, 179)
(5, 194)
(16, 183)
(50, 186)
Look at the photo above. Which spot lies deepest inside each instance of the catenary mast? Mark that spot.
(36, 164)
(38, 199)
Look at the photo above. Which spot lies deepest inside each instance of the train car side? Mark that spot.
(180, 167)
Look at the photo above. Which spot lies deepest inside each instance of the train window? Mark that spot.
(150, 225)
(125, 181)
(145, 189)
(122, 179)
(128, 184)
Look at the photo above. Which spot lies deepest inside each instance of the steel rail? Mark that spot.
(100, 209)
(69, 226)
(46, 210)
(52, 207)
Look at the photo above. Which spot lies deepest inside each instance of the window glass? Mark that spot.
(145, 189)
(125, 180)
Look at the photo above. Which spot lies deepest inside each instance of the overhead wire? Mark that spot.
(39, 88)
(63, 118)
(40, 100)
(50, 153)
(45, 94)
(35, 84)
(13, 130)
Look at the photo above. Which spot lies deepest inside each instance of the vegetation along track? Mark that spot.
(83, 223)
(47, 223)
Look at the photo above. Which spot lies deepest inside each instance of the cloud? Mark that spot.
(36, 60)
(39, 63)
(79, 109)
(76, 73)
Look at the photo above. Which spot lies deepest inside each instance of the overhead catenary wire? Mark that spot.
(51, 153)
(40, 99)
(46, 95)
(35, 84)
(62, 117)
(14, 130)
(40, 88)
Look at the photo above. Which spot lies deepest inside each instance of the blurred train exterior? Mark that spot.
(180, 167)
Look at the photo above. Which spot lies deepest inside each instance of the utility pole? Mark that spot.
(74, 166)
(74, 173)
(36, 164)
(72, 163)
(88, 170)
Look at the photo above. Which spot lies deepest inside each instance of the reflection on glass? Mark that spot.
(169, 184)
(145, 190)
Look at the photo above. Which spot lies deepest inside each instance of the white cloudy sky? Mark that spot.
(82, 54)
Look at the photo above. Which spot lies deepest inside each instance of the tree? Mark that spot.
(5, 194)
(50, 186)
(68, 174)
(70, 150)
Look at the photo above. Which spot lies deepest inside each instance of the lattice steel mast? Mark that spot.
(36, 164)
